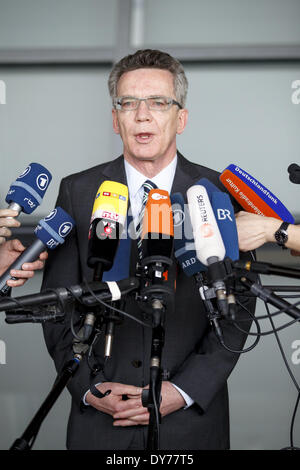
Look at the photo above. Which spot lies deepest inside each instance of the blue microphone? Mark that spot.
(224, 214)
(50, 232)
(184, 245)
(27, 192)
(209, 186)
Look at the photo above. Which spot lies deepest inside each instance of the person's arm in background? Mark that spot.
(255, 230)
(12, 249)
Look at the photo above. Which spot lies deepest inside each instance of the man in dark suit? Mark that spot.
(148, 90)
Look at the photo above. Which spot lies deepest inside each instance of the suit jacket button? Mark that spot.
(136, 363)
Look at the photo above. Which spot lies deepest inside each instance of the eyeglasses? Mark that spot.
(154, 103)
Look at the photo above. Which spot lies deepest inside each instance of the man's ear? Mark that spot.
(115, 121)
(182, 120)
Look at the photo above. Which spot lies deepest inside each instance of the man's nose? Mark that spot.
(142, 112)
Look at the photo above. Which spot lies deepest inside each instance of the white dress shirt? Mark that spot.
(135, 181)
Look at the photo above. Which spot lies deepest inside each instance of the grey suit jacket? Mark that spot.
(192, 355)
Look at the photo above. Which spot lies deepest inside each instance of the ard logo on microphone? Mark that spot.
(42, 181)
(2, 92)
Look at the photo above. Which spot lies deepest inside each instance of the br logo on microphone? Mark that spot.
(65, 229)
(42, 181)
(2, 92)
(224, 214)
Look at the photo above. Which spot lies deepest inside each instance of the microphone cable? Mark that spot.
(292, 447)
(258, 334)
(266, 333)
(293, 379)
(105, 304)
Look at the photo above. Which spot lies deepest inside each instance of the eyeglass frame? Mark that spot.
(171, 102)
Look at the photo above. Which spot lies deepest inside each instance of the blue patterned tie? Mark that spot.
(148, 185)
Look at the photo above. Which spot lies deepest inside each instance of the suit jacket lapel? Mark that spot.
(115, 170)
(187, 173)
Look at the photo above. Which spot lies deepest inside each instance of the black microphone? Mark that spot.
(267, 268)
(294, 173)
(267, 295)
(87, 294)
(107, 223)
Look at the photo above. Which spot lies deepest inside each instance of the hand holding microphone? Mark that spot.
(9, 252)
(50, 232)
(265, 212)
(24, 195)
(252, 195)
(7, 221)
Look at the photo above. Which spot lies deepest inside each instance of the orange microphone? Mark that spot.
(158, 228)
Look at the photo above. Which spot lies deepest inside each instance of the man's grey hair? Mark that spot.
(149, 58)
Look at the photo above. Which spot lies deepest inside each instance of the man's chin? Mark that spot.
(144, 157)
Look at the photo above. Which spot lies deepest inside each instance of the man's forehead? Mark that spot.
(147, 81)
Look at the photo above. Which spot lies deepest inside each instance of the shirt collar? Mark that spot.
(163, 180)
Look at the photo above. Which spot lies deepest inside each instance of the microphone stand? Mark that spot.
(158, 296)
(26, 441)
(81, 345)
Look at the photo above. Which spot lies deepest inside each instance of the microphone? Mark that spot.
(208, 241)
(224, 214)
(294, 173)
(107, 223)
(157, 239)
(184, 247)
(158, 230)
(252, 195)
(267, 295)
(210, 249)
(50, 232)
(225, 217)
(50, 297)
(184, 244)
(157, 248)
(27, 192)
(267, 268)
